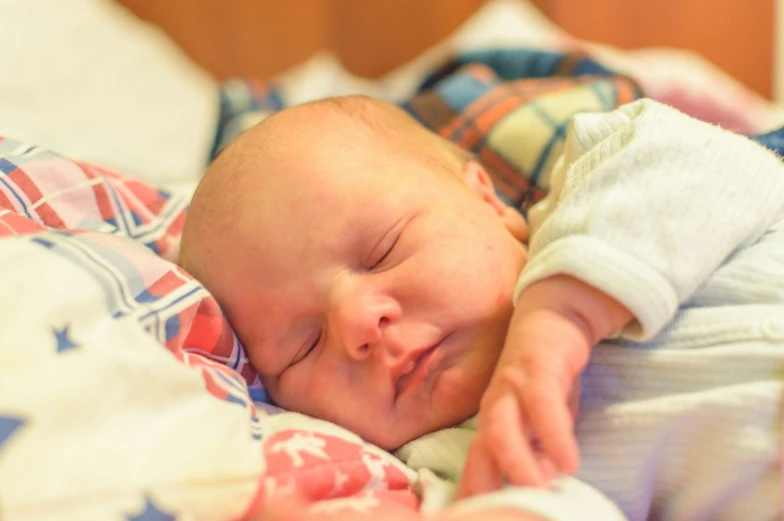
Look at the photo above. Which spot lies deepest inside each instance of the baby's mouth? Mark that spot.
(415, 371)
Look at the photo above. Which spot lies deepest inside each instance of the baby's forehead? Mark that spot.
(324, 156)
(354, 122)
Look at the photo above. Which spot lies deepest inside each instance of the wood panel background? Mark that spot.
(738, 36)
(260, 38)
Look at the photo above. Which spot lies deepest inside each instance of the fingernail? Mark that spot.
(548, 468)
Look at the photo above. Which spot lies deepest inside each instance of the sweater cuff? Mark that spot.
(647, 294)
(568, 499)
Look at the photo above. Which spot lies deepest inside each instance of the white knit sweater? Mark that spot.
(681, 412)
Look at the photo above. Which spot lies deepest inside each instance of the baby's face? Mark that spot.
(370, 289)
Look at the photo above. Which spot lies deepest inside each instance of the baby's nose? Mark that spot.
(360, 318)
(362, 327)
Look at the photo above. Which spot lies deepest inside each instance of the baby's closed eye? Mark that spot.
(310, 344)
(386, 245)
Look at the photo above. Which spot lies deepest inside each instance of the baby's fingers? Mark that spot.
(547, 467)
(550, 419)
(510, 443)
(480, 474)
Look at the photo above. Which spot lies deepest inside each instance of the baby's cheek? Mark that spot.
(458, 392)
(293, 392)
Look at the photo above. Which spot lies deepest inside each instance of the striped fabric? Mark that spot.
(86, 213)
(56, 193)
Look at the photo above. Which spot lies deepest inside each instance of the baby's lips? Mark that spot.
(411, 367)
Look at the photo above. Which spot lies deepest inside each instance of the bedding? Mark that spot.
(489, 101)
(125, 394)
(675, 77)
(138, 104)
(94, 82)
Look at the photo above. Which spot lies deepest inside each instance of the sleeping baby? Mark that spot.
(377, 281)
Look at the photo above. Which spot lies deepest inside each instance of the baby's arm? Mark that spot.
(653, 202)
(554, 326)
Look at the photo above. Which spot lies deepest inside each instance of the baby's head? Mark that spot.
(365, 263)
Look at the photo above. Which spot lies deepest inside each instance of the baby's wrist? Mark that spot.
(595, 313)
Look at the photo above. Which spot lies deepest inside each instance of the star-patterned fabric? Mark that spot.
(124, 393)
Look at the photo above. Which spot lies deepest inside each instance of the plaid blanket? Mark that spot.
(512, 108)
(124, 392)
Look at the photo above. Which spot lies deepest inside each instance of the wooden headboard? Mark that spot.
(260, 38)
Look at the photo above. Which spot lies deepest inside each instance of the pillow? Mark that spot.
(98, 84)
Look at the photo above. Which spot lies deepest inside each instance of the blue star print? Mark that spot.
(63, 337)
(151, 513)
(8, 425)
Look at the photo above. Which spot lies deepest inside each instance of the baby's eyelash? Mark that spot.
(386, 254)
(300, 356)
(312, 347)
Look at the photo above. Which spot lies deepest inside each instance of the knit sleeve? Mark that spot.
(652, 203)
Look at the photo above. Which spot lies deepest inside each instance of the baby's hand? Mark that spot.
(525, 430)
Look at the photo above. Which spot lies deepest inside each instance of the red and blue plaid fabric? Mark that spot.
(243, 103)
(75, 209)
(40, 190)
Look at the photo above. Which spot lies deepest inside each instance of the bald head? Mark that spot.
(295, 146)
(343, 224)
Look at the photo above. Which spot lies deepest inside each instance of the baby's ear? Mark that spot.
(480, 182)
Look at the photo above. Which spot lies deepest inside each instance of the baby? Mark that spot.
(377, 281)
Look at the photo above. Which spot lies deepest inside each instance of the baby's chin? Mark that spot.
(408, 430)
(406, 435)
